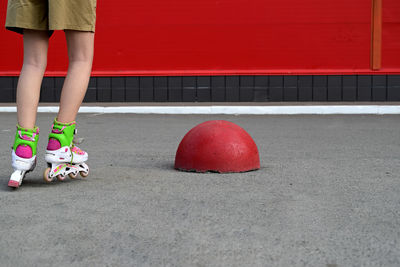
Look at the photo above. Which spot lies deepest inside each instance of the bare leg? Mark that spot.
(80, 54)
(30, 79)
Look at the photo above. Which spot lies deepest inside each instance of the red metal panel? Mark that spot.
(391, 34)
(211, 37)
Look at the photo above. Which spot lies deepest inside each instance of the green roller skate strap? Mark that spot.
(63, 132)
(30, 133)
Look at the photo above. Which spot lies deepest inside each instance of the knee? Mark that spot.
(81, 57)
(38, 62)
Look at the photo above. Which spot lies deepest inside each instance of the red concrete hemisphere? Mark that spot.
(219, 146)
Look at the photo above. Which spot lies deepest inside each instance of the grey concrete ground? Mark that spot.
(328, 194)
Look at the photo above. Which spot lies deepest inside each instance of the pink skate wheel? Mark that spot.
(219, 146)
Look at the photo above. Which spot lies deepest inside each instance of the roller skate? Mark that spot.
(23, 154)
(62, 156)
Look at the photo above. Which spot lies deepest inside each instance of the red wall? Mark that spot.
(195, 37)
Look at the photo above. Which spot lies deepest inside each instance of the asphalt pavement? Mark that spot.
(327, 194)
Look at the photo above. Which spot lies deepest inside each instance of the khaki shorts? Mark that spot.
(51, 15)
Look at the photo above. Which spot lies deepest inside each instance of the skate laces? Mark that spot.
(76, 141)
(27, 138)
(77, 150)
(56, 131)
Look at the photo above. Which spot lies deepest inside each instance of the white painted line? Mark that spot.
(240, 110)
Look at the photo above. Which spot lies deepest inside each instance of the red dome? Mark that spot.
(219, 146)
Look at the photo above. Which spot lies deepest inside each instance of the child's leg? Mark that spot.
(30, 79)
(62, 155)
(80, 53)
(23, 153)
